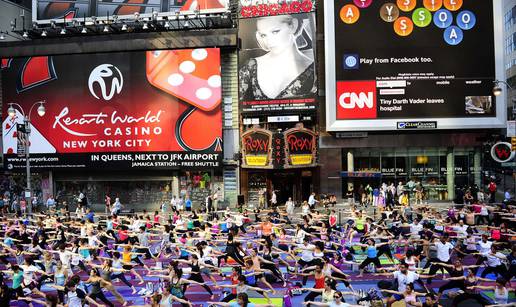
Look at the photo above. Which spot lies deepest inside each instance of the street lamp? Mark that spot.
(497, 91)
(26, 121)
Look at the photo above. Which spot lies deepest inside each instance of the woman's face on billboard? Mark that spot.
(275, 34)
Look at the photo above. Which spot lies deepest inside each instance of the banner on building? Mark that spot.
(259, 8)
(121, 110)
(277, 70)
(293, 148)
(390, 62)
(47, 10)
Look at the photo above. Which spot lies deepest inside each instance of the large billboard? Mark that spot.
(119, 110)
(277, 70)
(46, 10)
(413, 64)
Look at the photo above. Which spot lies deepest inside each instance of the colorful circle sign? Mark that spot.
(453, 5)
(453, 35)
(433, 5)
(403, 26)
(389, 12)
(443, 18)
(466, 20)
(349, 14)
(363, 3)
(422, 17)
(406, 5)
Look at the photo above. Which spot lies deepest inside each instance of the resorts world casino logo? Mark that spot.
(103, 75)
(356, 99)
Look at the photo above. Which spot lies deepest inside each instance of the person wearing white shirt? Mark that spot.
(300, 235)
(484, 248)
(307, 255)
(274, 200)
(312, 201)
(239, 222)
(179, 204)
(215, 198)
(289, 207)
(415, 228)
(174, 202)
(444, 249)
(494, 264)
(461, 229)
(403, 277)
(305, 208)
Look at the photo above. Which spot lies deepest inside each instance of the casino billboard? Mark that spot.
(127, 110)
(413, 64)
(47, 10)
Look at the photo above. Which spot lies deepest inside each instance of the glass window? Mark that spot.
(388, 166)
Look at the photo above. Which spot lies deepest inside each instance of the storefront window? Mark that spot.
(461, 170)
(427, 166)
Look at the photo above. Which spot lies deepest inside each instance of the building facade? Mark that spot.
(158, 121)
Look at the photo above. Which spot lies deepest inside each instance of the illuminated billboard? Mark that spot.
(407, 64)
(121, 110)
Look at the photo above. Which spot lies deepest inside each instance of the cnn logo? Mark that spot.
(356, 100)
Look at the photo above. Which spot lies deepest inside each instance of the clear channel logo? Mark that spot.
(103, 75)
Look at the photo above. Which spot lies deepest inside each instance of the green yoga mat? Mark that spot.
(383, 260)
(490, 294)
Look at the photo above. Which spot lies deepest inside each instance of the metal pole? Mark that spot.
(27, 165)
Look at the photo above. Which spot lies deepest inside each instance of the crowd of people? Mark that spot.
(410, 252)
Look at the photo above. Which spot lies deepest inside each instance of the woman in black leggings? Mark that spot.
(456, 279)
(470, 281)
(97, 283)
(268, 264)
(232, 250)
(197, 269)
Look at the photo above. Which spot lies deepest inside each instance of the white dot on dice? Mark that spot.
(187, 67)
(203, 93)
(214, 81)
(175, 79)
(199, 54)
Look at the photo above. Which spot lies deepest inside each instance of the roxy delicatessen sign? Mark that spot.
(258, 8)
(135, 102)
(293, 148)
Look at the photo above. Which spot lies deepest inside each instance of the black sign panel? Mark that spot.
(119, 160)
(411, 60)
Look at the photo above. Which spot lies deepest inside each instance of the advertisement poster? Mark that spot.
(277, 71)
(118, 110)
(46, 10)
(427, 62)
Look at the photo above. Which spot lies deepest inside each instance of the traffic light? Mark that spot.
(513, 143)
